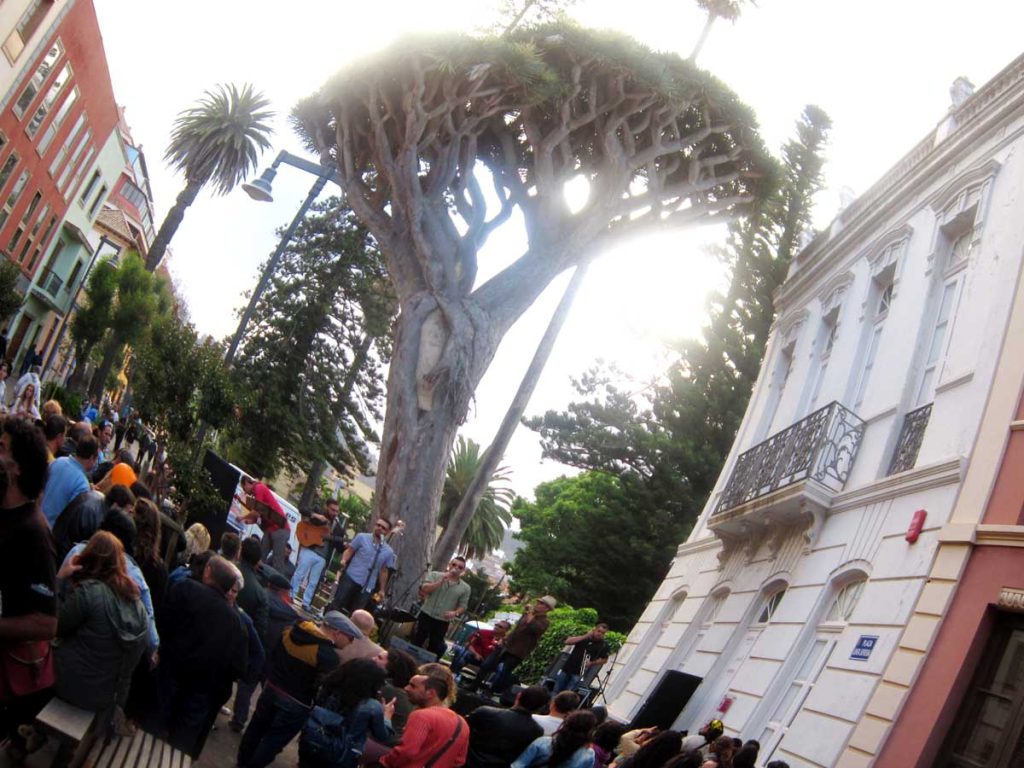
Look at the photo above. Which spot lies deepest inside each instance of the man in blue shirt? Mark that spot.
(69, 478)
(365, 559)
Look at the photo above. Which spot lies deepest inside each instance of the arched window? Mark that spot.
(771, 604)
(844, 602)
(813, 654)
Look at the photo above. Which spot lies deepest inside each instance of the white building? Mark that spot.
(799, 607)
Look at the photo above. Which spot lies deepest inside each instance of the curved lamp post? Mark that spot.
(261, 191)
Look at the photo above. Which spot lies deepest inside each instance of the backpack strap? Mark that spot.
(437, 755)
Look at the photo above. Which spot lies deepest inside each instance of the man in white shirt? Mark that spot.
(561, 707)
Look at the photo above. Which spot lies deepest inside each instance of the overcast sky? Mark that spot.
(880, 68)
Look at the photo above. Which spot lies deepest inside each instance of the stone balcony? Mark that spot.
(790, 478)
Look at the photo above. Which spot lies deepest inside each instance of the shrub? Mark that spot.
(564, 622)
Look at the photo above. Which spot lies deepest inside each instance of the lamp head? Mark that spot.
(261, 188)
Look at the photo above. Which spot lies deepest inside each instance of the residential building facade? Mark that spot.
(60, 157)
(802, 604)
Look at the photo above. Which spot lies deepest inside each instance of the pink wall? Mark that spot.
(932, 704)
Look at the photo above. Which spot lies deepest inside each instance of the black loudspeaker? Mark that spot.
(666, 701)
(421, 655)
(225, 480)
(508, 698)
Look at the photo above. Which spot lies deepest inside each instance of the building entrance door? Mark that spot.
(989, 727)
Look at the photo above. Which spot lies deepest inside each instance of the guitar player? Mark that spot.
(320, 536)
(264, 508)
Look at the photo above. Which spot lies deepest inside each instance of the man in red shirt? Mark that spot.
(480, 645)
(264, 508)
(434, 735)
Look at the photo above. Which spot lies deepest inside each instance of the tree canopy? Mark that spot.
(668, 446)
(492, 515)
(216, 142)
(415, 132)
(583, 535)
(311, 364)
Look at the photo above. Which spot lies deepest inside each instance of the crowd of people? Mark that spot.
(110, 604)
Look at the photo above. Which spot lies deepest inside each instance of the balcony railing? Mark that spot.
(911, 436)
(51, 282)
(821, 447)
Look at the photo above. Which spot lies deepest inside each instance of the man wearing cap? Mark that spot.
(304, 656)
(518, 645)
(701, 741)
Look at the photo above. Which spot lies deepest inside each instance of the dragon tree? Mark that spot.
(439, 140)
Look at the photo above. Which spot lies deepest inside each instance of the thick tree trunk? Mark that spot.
(311, 491)
(435, 368)
(77, 382)
(99, 379)
(170, 224)
(452, 535)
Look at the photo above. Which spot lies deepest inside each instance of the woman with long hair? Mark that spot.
(147, 550)
(102, 628)
(25, 405)
(348, 711)
(143, 701)
(656, 752)
(568, 748)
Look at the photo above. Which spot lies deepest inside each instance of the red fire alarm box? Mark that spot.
(726, 704)
(916, 524)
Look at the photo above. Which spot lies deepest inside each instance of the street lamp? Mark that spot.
(261, 190)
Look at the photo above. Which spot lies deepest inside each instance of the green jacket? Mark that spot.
(100, 639)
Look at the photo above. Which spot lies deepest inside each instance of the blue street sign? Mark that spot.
(865, 645)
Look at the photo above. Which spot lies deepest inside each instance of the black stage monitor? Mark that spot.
(666, 701)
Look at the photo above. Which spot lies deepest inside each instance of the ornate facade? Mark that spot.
(812, 586)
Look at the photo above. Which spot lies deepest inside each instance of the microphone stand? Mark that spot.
(603, 680)
(388, 625)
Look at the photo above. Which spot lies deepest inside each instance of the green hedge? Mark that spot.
(565, 622)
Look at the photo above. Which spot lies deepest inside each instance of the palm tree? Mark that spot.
(218, 142)
(487, 526)
(716, 9)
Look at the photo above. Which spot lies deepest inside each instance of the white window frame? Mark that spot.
(35, 84)
(806, 675)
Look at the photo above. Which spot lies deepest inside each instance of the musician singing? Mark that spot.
(589, 650)
(264, 508)
(365, 559)
(445, 597)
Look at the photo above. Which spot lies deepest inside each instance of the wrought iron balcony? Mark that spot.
(821, 447)
(904, 457)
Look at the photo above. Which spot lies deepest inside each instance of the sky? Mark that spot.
(880, 68)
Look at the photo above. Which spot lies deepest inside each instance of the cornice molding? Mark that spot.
(692, 547)
(947, 195)
(918, 479)
(999, 535)
(920, 166)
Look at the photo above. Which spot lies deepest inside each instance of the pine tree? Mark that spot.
(670, 446)
(311, 363)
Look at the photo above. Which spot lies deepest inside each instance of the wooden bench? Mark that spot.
(73, 727)
(142, 749)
